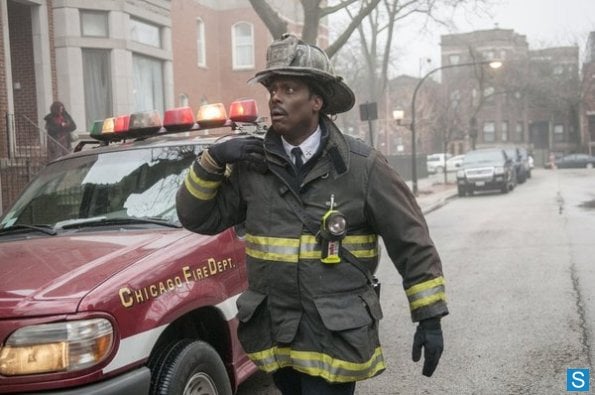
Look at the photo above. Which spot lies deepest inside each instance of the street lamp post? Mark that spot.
(493, 64)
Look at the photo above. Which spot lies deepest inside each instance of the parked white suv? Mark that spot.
(436, 162)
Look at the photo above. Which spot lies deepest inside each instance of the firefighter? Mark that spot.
(307, 317)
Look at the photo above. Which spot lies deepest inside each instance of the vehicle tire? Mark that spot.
(529, 174)
(461, 191)
(589, 165)
(190, 367)
(505, 188)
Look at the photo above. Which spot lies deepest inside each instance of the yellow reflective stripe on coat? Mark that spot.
(272, 248)
(306, 247)
(426, 293)
(362, 246)
(200, 188)
(317, 364)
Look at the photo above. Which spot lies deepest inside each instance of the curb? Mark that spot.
(440, 203)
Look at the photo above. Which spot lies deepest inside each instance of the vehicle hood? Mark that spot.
(50, 275)
(482, 164)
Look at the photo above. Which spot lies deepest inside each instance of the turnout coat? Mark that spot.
(320, 319)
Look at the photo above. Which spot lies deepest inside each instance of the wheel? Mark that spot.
(522, 178)
(461, 191)
(189, 368)
(505, 188)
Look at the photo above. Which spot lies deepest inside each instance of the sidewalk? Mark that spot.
(433, 193)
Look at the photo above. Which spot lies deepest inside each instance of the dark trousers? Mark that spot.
(292, 382)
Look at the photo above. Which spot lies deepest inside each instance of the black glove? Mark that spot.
(429, 336)
(238, 149)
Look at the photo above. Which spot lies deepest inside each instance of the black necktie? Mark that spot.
(297, 154)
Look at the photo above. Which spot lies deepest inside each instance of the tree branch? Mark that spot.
(274, 23)
(334, 47)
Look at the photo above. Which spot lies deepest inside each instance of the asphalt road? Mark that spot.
(520, 274)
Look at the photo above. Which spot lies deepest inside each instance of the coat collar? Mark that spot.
(335, 151)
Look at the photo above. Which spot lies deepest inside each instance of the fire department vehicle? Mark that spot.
(101, 289)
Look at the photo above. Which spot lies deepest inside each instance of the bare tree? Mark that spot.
(314, 12)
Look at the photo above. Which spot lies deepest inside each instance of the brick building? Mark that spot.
(530, 101)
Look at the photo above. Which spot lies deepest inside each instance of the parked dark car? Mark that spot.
(520, 162)
(526, 160)
(576, 161)
(486, 169)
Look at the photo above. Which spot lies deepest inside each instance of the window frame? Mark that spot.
(234, 47)
(142, 22)
(105, 14)
(489, 131)
(201, 43)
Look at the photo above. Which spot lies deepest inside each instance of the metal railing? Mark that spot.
(24, 156)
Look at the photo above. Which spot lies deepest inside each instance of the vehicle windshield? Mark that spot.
(475, 157)
(132, 184)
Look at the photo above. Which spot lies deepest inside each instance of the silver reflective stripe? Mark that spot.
(426, 293)
(200, 188)
(306, 247)
(318, 364)
(272, 248)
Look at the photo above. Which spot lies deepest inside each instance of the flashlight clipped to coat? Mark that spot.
(333, 229)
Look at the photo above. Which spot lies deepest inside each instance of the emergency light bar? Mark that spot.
(180, 119)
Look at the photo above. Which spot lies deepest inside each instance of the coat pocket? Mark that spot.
(343, 312)
(248, 303)
(254, 328)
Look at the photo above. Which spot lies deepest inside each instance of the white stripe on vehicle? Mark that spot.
(138, 347)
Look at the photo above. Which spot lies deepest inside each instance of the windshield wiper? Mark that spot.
(120, 221)
(47, 229)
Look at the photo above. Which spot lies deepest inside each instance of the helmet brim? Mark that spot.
(337, 96)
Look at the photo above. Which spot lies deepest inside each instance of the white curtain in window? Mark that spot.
(200, 43)
(97, 84)
(243, 42)
(148, 83)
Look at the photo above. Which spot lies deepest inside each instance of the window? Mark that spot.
(559, 133)
(489, 132)
(488, 94)
(504, 131)
(97, 84)
(145, 33)
(94, 24)
(183, 100)
(488, 55)
(243, 46)
(455, 97)
(201, 58)
(519, 135)
(147, 84)
(454, 59)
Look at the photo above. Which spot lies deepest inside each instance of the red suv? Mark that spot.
(102, 290)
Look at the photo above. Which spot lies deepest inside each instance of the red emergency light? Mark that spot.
(243, 111)
(177, 119)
